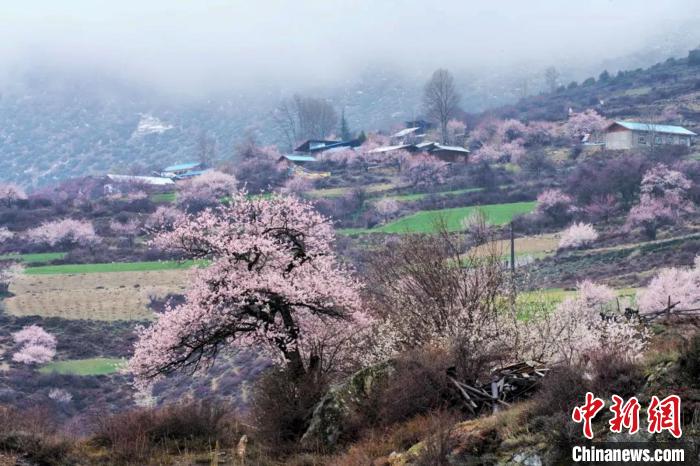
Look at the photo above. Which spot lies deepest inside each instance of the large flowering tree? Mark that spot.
(663, 197)
(273, 283)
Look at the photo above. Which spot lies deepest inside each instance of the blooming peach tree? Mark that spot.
(206, 189)
(679, 286)
(586, 324)
(578, 235)
(663, 197)
(37, 346)
(555, 204)
(273, 284)
(11, 193)
(66, 232)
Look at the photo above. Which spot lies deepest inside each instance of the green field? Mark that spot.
(93, 366)
(425, 220)
(163, 197)
(341, 191)
(36, 258)
(419, 196)
(111, 267)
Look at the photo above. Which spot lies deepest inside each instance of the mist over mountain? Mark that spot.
(100, 88)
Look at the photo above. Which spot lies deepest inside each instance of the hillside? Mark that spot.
(57, 125)
(669, 89)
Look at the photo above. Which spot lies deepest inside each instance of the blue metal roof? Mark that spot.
(191, 174)
(668, 129)
(182, 166)
(300, 158)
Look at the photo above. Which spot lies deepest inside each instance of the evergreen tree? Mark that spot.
(345, 133)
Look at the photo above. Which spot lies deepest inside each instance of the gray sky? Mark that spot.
(213, 45)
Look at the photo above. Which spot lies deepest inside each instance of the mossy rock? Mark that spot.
(331, 414)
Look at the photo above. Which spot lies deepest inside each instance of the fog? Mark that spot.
(208, 46)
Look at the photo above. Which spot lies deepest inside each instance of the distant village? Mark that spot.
(618, 135)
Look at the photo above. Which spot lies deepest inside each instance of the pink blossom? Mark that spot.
(586, 122)
(206, 188)
(273, 284)
(66, 231)
(423, 169)
(34, 335)
(297, 186)
(34, 354)
(5, 235)
(128, 228)
(663, 196)
(578, 235)
(11, 193)
(387, 207)
(164, 218)
(679, 285)
(588, 323)
(37, 346)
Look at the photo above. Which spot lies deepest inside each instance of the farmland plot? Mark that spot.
(97, 296)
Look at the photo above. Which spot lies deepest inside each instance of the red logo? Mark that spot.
(587, 412)
(665, 415)
(662, 415)
(625, 415)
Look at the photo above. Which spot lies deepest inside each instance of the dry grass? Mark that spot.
(96, 296)
(529, 245)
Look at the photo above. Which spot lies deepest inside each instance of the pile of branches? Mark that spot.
(508, 384)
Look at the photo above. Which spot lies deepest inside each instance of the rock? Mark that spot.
(527, 458)
(332, 412)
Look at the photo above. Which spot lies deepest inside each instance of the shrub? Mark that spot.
(281, 406)
(578, 235)
(418, 385)
(690, 360)
(136, 435)
(554, 204)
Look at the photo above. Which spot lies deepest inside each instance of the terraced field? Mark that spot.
(112, 267)
(425, 221)
(92, 366)
(98, 295)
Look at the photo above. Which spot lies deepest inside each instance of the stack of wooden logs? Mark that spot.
(508, 384)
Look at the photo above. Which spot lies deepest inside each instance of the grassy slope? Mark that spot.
(424, 221)
(36, 258)
(112, 267)
(92, 366)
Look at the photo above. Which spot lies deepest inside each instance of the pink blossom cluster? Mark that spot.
(579, 234)
(505, 140)
(208, 187)
(129, 228)
(582, 123)
(387, 208)
(11, 193)
(424, 169)
(5, 235)
(163, 218)
(274, 284)
(663, 196)
(64, 231)
(680, 286)
(554, 202)
(589, 323)
(37, 346)
(297, 186)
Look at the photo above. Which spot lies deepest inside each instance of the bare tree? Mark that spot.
(206, 149)
(551, 78)
(300, 118)
(441, 99)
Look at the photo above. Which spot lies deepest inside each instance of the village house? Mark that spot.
(183, 171)
(312, 146)
(443, 152)
(623, 135)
